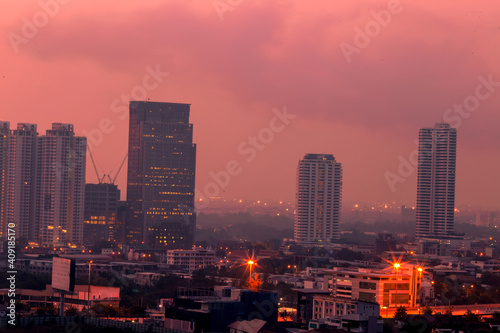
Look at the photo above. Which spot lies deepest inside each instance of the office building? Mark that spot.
(319, 194)
(100, 213)
(60, 186)
(161, 176)
(436, 181)
(389, 288)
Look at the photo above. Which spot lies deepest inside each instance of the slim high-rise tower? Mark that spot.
(22, 182)
(161, 175)
(319, 196)
(436, 181)
(61, 186)
(4, 153)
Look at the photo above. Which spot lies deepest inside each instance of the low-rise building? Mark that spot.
(194, 259)
(80, 298)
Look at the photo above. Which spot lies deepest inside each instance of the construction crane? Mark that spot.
(101, 180)
(93, 163)
(119, 169)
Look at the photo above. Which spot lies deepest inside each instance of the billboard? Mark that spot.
(63, 274)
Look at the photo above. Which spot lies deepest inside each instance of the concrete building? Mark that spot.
(4, 153)
(42, 184)
(213, 310)
(21, 181)
(161, 176)
(100, 214)
(196, 258)
(436, 181)
(80, 298)
(390, 288)
(61, 186)
(319, 194)
(330, 306)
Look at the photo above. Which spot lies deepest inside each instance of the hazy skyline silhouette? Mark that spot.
(81, 62)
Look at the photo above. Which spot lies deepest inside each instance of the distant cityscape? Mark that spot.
(154, 261)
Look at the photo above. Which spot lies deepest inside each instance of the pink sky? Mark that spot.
(264, 55)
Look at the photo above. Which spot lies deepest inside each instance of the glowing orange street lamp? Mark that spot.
(420, 270)
(250, 263)
(396, 266)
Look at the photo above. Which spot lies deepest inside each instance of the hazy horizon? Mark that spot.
(357, 80)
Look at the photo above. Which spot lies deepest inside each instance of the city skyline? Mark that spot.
(366, 106)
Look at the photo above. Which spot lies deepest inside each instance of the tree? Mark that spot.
(138, 311)
(400, 313)
(71, 311)
(254, 282)
(110, 311)
(449, 311)
(427, 310)
(471, 317)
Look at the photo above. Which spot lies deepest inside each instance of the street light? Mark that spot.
(396, 265)
(420, 270)
(88, 290)
(250, 263)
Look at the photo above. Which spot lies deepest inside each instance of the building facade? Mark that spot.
(61, 186)
(4, 153)
(196, 258)
(21, 181)
(100, 214)
(390, 288)
(42, 183)
(318, 199)
(161, 176)
(436, 181)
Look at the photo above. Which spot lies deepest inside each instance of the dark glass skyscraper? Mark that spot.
(437, 152)
(100, 214)
(161, 175)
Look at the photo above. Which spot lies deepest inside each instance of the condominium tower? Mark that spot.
(436, 181)
(42, 183)
(161, 176)
(61, 185)
(319, 195)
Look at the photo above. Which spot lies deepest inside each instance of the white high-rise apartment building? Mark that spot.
(319, 196)
(61, 186)
(21, 181)
(437, 151)
(42, 183)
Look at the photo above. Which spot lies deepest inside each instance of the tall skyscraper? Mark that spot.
(436, 181)
(42, 183)
(21, 181)
(100, 214)
(4, 153)
(161, 175)
(61, 186)
(319, 196)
